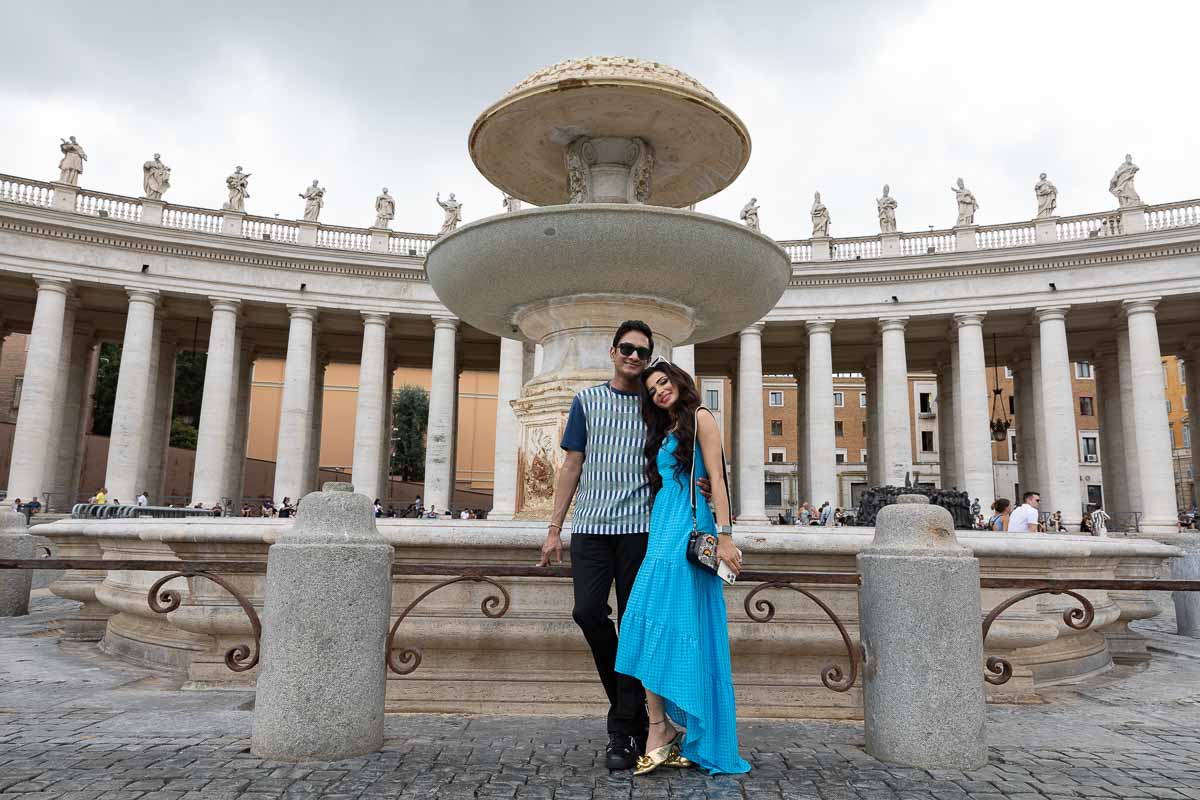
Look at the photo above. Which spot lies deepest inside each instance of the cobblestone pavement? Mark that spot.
(77, 725)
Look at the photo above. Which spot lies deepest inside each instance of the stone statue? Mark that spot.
(71, 165)
(887, 211)
(314, 199)
(511, 203)
(453, 211)
(749, 214)
(238, 183)
(156, 178)
(1121, 185)
(820, 218)
(1047, 197)
(385, 210)
(967, 205)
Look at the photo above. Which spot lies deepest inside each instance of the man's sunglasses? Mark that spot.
(628, 349)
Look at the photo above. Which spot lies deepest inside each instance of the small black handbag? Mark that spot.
(702, 545)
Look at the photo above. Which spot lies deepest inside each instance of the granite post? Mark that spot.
(328, 600)
(919, 618)
(1187, 604)
(15, 542)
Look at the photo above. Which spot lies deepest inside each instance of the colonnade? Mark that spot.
(62, 355)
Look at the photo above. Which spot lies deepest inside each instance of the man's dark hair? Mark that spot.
(1025, 497)
(633, 325)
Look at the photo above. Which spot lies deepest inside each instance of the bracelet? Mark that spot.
(552, 525)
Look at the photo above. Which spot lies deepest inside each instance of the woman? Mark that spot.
(674, 636)
(1001, 509)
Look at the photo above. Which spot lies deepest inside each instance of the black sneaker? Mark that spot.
(621, 752)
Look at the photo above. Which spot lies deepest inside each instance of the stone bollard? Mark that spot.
(325, 620)
(1187, 604)
(15, 542)
(921, 629)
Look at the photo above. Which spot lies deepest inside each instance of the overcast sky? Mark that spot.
(838, 96)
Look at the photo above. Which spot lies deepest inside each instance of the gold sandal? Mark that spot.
(658, 756)
(676, 759)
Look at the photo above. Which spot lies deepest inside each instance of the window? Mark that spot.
(1083, 369)
(1008, 373)
(777, 455)
(1182, 372)
(1185, 405)
(862, 456)
(1187, 435)
(1012, 406)
(1164, 368)
(774, 493)
(839, 457)
(839, 399)
(864, 427)
(862, 399)
(1087, 406)
(926, 441)
(777, 427)
(18, 385)
(1012, 447)
(923, 403)
(838, 429)
(775, 398)
(1168, 406)
(1091, 448)
(712, 399)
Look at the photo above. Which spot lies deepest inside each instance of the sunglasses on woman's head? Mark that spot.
(628, 349)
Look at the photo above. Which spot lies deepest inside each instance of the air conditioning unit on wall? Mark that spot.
(1091, 458)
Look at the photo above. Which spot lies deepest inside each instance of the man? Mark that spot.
(604, 472)
(1025, 518)
(826, 517)
(976, 509)
(143, 499)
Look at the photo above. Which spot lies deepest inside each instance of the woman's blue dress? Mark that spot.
(674, 635)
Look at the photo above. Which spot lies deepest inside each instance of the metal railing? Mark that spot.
(405, 659)
(111, 511)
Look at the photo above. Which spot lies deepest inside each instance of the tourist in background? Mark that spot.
(1099, 521)
(674, 635)
(1056, 523)
(143, 499)
(1001, 510)
(101, 496)
(378, 507)
(825, 518)
(1025, 518)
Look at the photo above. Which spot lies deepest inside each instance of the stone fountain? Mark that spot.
(612, 150)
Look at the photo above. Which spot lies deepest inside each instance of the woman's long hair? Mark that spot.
(658, 422)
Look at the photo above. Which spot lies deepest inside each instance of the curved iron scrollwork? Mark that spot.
(406, 660)
(832, 676)
(999, 670)
(164, 601)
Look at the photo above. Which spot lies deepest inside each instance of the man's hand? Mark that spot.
(551, 547)
(705, 488)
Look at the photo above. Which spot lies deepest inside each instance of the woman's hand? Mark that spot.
(728, 552)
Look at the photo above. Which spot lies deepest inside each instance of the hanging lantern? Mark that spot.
(999, 423)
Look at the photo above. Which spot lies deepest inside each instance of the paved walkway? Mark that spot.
(77, 725)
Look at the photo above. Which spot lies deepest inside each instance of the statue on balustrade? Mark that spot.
(156, 178)
(887, 206)
(71, 165)
(749, 214)
(1047, 197)
(314, 200)
(1121, 185)
(453, 211)
(967, 204)
(385, 210)
(511, 203)
(238, 184)
(820, 218)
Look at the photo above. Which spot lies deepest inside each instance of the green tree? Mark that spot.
(189, 388)
(106, 388)
(410, 415)
(183, 435)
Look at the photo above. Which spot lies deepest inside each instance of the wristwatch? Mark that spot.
(725, 529)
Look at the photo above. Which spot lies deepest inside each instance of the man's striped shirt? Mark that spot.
(613, 495)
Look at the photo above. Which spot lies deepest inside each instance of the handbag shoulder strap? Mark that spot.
(696, 453)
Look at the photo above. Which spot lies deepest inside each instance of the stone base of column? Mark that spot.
(14, 583)
(1187, 604)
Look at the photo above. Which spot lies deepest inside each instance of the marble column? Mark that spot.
(32, 456)
(210, 476)
(803, 470)
(820, 463)
(1042, 471)
(1129, 450)
(143, 475)
(973, 452)
(1107, 376)
(684, 357)
(1027, 442)
(947, 440)
(1060, 483)
(160, 436)
(871, 375)
(751, 491)
(1192, 373)
(312, 481)
(1151, 430)
(127, 446)
(440, 433)
(295, 407)
(508, 429)
(895, 436)
(385, 428)
(235, 454)
(368, 418)
(51, 485)
(64, 485)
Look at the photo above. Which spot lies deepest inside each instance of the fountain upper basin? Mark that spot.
(724, 275)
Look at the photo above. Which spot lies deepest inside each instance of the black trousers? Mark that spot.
(596, 561)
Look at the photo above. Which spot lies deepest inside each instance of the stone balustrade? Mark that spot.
(1004, 236)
